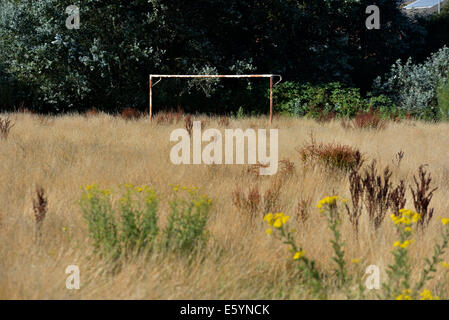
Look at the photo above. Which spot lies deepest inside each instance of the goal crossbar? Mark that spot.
(160, 76)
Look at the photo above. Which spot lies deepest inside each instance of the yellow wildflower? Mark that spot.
(444, 221)
(403, 245)
(355, 261)
(278, 215)
(405, 295)
(269, 218)
(277, 223)
(405, 217)
(198, 204)
(299, 254)
(269, 231)
(409, 216)
(427, 295)
(278, 220)
(90, 187)
(285, 219)
(445, 264)
(327, 200)
(395, 219)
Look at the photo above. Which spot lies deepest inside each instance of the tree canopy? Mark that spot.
(105, 64)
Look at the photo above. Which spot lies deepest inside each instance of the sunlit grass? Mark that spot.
(238, 260)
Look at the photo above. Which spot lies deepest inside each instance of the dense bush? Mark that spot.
(384, 106)
(312, 100)
(331, 156)
(332, 98)
(189, 213)
(101, 221)
(132, 226)
(413, 87)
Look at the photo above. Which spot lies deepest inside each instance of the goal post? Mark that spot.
(161, 76)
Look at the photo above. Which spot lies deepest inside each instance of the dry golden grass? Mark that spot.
(240, 262)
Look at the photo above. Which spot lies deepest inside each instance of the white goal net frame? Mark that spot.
(161, 76)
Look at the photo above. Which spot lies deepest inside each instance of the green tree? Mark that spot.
(107, 61)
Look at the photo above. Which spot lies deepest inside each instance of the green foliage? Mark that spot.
(312, 277)
(239, 114)
(443, 101)
(346, 101)
(139, 222)
(399, 284)
(333, 221)
(315, 100)
(136, 229)
(189, 213)
(294, 98)
(384, 105)
(399, 271)
(99, 214)
(413, 87)
(286, 97)
(106, 63)
(102, 63)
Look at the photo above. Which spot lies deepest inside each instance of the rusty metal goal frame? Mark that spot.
(160, 76)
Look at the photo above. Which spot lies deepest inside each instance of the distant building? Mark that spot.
(423, 6)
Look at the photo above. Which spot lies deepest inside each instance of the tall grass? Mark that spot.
(237, 260)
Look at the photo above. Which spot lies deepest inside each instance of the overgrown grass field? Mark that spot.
(167, 253)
